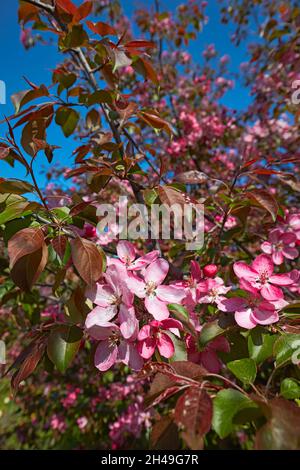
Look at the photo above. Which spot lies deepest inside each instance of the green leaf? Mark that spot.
(260, 344)
(177, 308)
(67, 118)
(226, 405)
(290, 388)
(286, 349)
(63, 344)
(243, 369)
(180, 353)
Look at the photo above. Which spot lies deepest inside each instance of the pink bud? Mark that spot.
(210, 270)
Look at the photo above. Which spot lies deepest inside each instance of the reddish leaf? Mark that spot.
(155, 121)
(59, 244)
(193, 414)
(282, 430)
(87, 259)
(101, 28)
(24, 242)
(164, 435)
(83, 10)
(67, 6)
(28, 360)
(139, 44)
(264, 199)
(27, 269)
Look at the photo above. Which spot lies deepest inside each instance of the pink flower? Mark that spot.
(251, 310)
(280, 245)
(113, 347)
(215, 290)
(82, 422)
(127, 254)
(156, 295)
(260, 276)
(111, 298)
(293, 222)
(152, 336)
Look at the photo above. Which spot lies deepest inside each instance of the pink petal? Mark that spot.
(171, 323)
(144, 260)
(247, 286)
(281, 279)
(165, 345)
(170, 294)
(288, 238)
(136, 285)
(129, 355)
(270, 292)
(126, 251)
(100, 294)
(146, 347)
(157, 271)
(105, 356)
(275, 235)
(128, 322)
(144, 333)
(265, 317)
(231, 305)
(266, 248)
(156, 307)
(277, 258)
(101, 315)
(244, 319)
(195, 270)
(290, 253)
(263, 264)
(243, 270)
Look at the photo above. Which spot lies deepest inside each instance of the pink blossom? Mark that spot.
(152, 336)
(156, 295)
(250, 310)
(260, 276)
(215, 290)
(82, 422)
(111, 298)
(280, 245)
(113, 347)
(127, 254)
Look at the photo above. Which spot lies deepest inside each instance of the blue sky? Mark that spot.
(36, 65)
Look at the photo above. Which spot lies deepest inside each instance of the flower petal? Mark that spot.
(270, 292)
(128, 322)
(244, 319)
(231, 305)
(263, 264)
(144, 260)
(126, 251)
(157, 271)
(265, 317)
(281, 279)
(146, 347)
(165, 345)
(105, 356)
(100, 294)
(156, 307)
(170, 294)
(136, 285)
(243, 270)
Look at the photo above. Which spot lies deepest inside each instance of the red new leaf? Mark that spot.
(87, 259)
